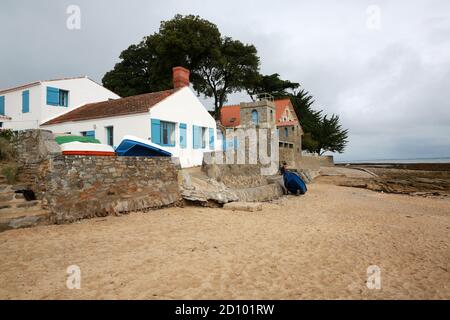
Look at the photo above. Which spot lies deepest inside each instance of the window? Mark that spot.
(203, 137)
(63, 98)
(271, 115)
(163, 133)
(199, 135)
(1, 124)
(26, 101)
(167, 133)
(2, 105)
(110, 136)
(211, 139)
(183, 135)
(286, 132)
(255, 117)
(57, 97)
(89, 134)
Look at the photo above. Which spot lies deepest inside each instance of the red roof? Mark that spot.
(112, 108)
(230, 116)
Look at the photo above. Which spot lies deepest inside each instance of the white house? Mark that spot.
(30, 105)
(175, 119)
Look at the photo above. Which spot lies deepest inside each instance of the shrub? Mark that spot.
(7, 134)
(10, 173)
(6, 150)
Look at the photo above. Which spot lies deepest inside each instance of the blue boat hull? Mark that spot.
(131, 148)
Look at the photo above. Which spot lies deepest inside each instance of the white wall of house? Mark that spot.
(13, 109)
(181, 107)
(81, 91)
(185, 107)
(136, 125)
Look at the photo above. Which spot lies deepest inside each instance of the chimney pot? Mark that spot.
(180, 77)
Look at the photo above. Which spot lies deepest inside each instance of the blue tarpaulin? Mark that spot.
(293, 183)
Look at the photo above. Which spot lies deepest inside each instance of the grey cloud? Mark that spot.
(389, 86)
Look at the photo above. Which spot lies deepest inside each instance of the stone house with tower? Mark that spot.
(272, 114)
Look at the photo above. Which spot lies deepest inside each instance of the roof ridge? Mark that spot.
(30, 84)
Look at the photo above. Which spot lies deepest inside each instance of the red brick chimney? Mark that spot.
(180, 77)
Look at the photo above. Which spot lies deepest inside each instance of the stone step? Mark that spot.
(16, 219)
(23, 205)
(243, 206)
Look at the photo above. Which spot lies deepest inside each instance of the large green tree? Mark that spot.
(331, 136)
(219, 65)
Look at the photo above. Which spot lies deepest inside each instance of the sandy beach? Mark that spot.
(309, 247)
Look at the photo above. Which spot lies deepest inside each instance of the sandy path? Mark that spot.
(315, 246)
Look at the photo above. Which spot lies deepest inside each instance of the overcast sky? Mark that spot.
(383, 66)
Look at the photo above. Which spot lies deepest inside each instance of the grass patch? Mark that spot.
(10, 172)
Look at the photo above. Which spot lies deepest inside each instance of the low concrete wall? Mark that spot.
(80, 187)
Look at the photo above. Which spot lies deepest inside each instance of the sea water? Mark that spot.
(413, 160)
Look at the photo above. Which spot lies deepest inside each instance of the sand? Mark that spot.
(316, 246)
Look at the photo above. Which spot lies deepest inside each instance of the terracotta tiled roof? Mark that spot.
(112, 108)
(230, 116)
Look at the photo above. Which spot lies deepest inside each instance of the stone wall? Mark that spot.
(76, 187)
(232, 175)
(80, 187)
(33, 148)
(290, 144)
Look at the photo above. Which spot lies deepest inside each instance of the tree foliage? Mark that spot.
(219, 65)
(322, 133)
(271, 84)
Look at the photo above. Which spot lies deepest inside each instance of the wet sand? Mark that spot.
(310, 247)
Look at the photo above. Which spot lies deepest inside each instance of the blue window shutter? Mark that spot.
(90, 134)
(196, 131)
(25, 101)
(2, 105)
(211, 139)
(52, 96)
(156, 131)
(183, 136)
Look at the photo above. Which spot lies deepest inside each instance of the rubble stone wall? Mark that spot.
(233, 175)
(33, 149)
(80, 187)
